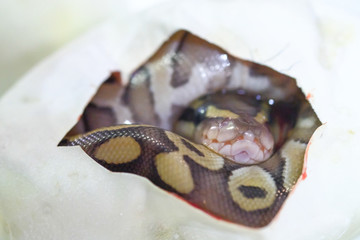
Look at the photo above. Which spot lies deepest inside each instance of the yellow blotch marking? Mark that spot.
(213, 112)
(304, 128)
(261, 117)
(308, 122)
(210, 160)
(293, 152)
(252, 176)
(197, 103)
(185, 128)
(174, 171)
(118, 150)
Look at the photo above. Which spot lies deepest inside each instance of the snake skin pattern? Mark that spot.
(129, 128)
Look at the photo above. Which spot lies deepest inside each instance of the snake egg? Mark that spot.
(220, 132)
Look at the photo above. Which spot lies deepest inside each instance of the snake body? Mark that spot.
(130, 128)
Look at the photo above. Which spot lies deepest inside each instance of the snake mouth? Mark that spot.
(244, 141)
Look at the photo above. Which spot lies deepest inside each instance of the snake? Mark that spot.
(224, 134)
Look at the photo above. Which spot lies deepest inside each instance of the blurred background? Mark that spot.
(31, 30)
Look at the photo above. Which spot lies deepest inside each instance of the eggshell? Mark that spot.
(50, 192)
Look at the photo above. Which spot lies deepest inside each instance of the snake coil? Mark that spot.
(130, 129)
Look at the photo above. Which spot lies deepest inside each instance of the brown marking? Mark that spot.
(209, 160)
(140, 99)
(115, 78)
(252, 178)
(180, 74)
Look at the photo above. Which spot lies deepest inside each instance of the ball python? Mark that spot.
(224, 134)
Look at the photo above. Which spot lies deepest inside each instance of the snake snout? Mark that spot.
(242, 140)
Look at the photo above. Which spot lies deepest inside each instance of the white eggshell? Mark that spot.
(48, 192)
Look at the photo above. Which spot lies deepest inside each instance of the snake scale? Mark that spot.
(200, 91)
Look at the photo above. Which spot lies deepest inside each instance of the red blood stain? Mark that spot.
(309, 95)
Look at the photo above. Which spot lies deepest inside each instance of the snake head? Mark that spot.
(231, 124)
(243, 139)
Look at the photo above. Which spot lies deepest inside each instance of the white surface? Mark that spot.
(56, 193)
(31, 30)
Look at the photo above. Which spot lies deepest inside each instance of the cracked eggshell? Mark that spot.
(47, 192)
